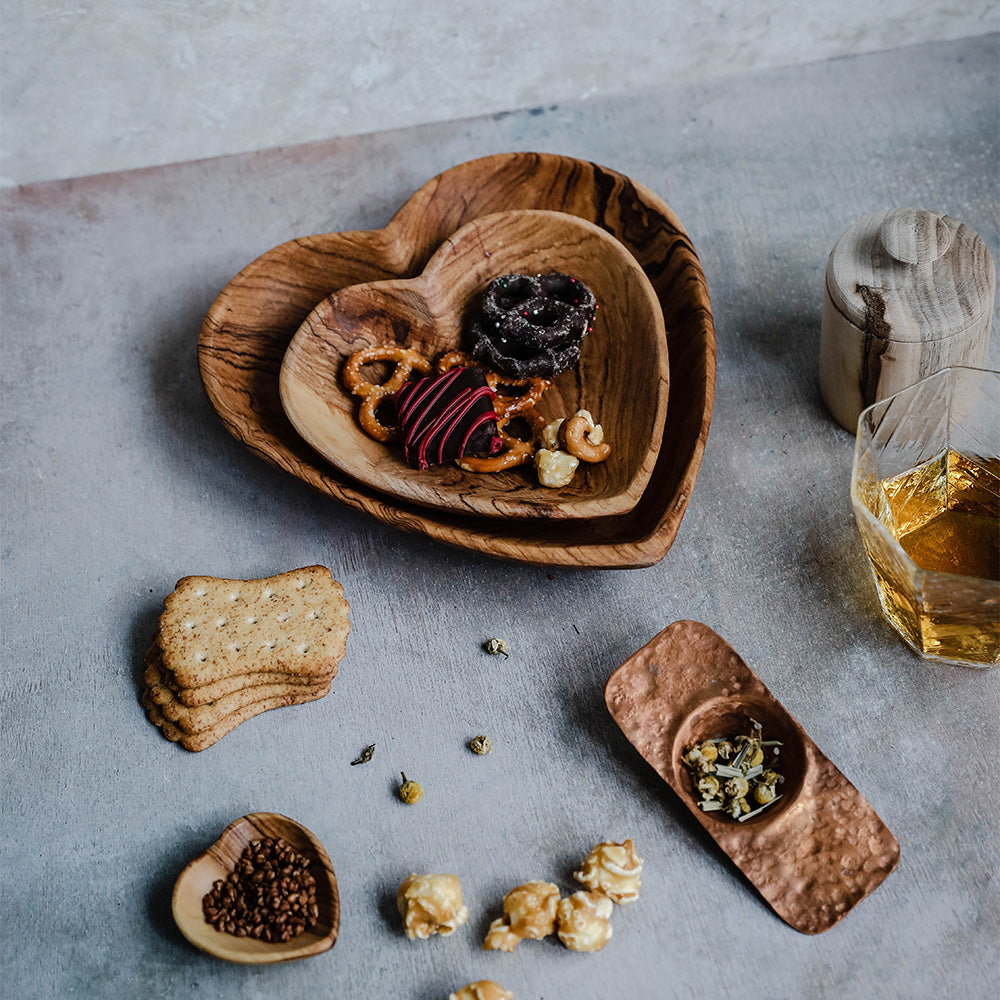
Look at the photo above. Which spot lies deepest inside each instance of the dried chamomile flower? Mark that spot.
(409, 791)
(481, 745)
(483, 989)
(430, 904)
(764, 794)
(728, 772)
(736, 807)
(583, 921)
(496, 647)
(737, 788)
(709, 786)
(699, 761)
(612, 869)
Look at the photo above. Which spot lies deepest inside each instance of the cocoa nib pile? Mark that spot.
(270, 895)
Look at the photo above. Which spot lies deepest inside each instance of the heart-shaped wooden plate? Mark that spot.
(220, 859)
(246, 332)
(622, 376)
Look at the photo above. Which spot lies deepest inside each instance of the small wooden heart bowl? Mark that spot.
(622, 377)
(220, 859)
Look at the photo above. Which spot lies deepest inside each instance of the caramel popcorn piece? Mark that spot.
(529, 911)
(583, 921)
(430, 904)
(500, 937)
(612, 869)
(484, 989)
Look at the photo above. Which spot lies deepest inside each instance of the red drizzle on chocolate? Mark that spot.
(447, 416)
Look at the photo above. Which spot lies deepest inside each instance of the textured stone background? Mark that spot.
(98, 85)
(118, 478)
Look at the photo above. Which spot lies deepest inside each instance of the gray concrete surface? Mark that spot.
(103, 86)
(118, 479)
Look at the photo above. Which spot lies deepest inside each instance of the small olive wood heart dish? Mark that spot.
(622, 377)
(813, 853)
(220, 860)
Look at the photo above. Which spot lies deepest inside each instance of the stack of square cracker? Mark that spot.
(227, 650)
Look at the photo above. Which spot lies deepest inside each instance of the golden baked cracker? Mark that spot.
(203, 740)
(201, 717)
(295, 622)
(164, 688)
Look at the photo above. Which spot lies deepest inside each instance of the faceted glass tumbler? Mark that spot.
(925, 487)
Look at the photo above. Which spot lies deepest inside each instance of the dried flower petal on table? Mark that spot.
(365, 755)
(481, 745)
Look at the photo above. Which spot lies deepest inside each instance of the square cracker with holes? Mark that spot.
(293, 623)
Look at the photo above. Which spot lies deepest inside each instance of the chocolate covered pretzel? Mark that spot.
(532, 325)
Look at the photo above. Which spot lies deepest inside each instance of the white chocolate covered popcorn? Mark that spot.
(484, 989)
(583, 921)
(612, 869)
(554, 467)
(529, 911)
(430, 904)
(549, 438)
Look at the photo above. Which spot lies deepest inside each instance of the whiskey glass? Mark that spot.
(925, 487)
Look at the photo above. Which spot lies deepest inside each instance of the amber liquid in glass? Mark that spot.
(947, 519)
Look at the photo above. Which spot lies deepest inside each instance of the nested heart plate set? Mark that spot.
(274, 341)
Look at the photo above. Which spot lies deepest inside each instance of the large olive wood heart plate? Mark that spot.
(622, 376)
(246, 332)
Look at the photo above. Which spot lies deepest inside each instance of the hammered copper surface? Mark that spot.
(821, 848)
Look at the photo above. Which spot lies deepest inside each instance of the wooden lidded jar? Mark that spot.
(908, 292)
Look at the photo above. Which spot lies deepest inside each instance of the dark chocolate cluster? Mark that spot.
(532, 325)
(449, 416)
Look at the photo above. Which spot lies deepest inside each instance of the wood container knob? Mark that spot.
(908, 292)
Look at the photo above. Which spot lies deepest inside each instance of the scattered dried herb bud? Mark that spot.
(365, 755)
(480, 745)
(496, 647)
(409, 791)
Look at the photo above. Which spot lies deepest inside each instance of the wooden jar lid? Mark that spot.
(915, 275)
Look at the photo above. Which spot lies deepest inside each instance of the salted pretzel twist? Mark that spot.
(372, 394)
(506, 402)
(514, 451)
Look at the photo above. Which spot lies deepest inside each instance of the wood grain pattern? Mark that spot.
(908, 292)
(819, 850)
(248, 328)
(622, 377)
(219, 860)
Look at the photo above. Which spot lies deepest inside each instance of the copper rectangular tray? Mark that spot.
(814, 854)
